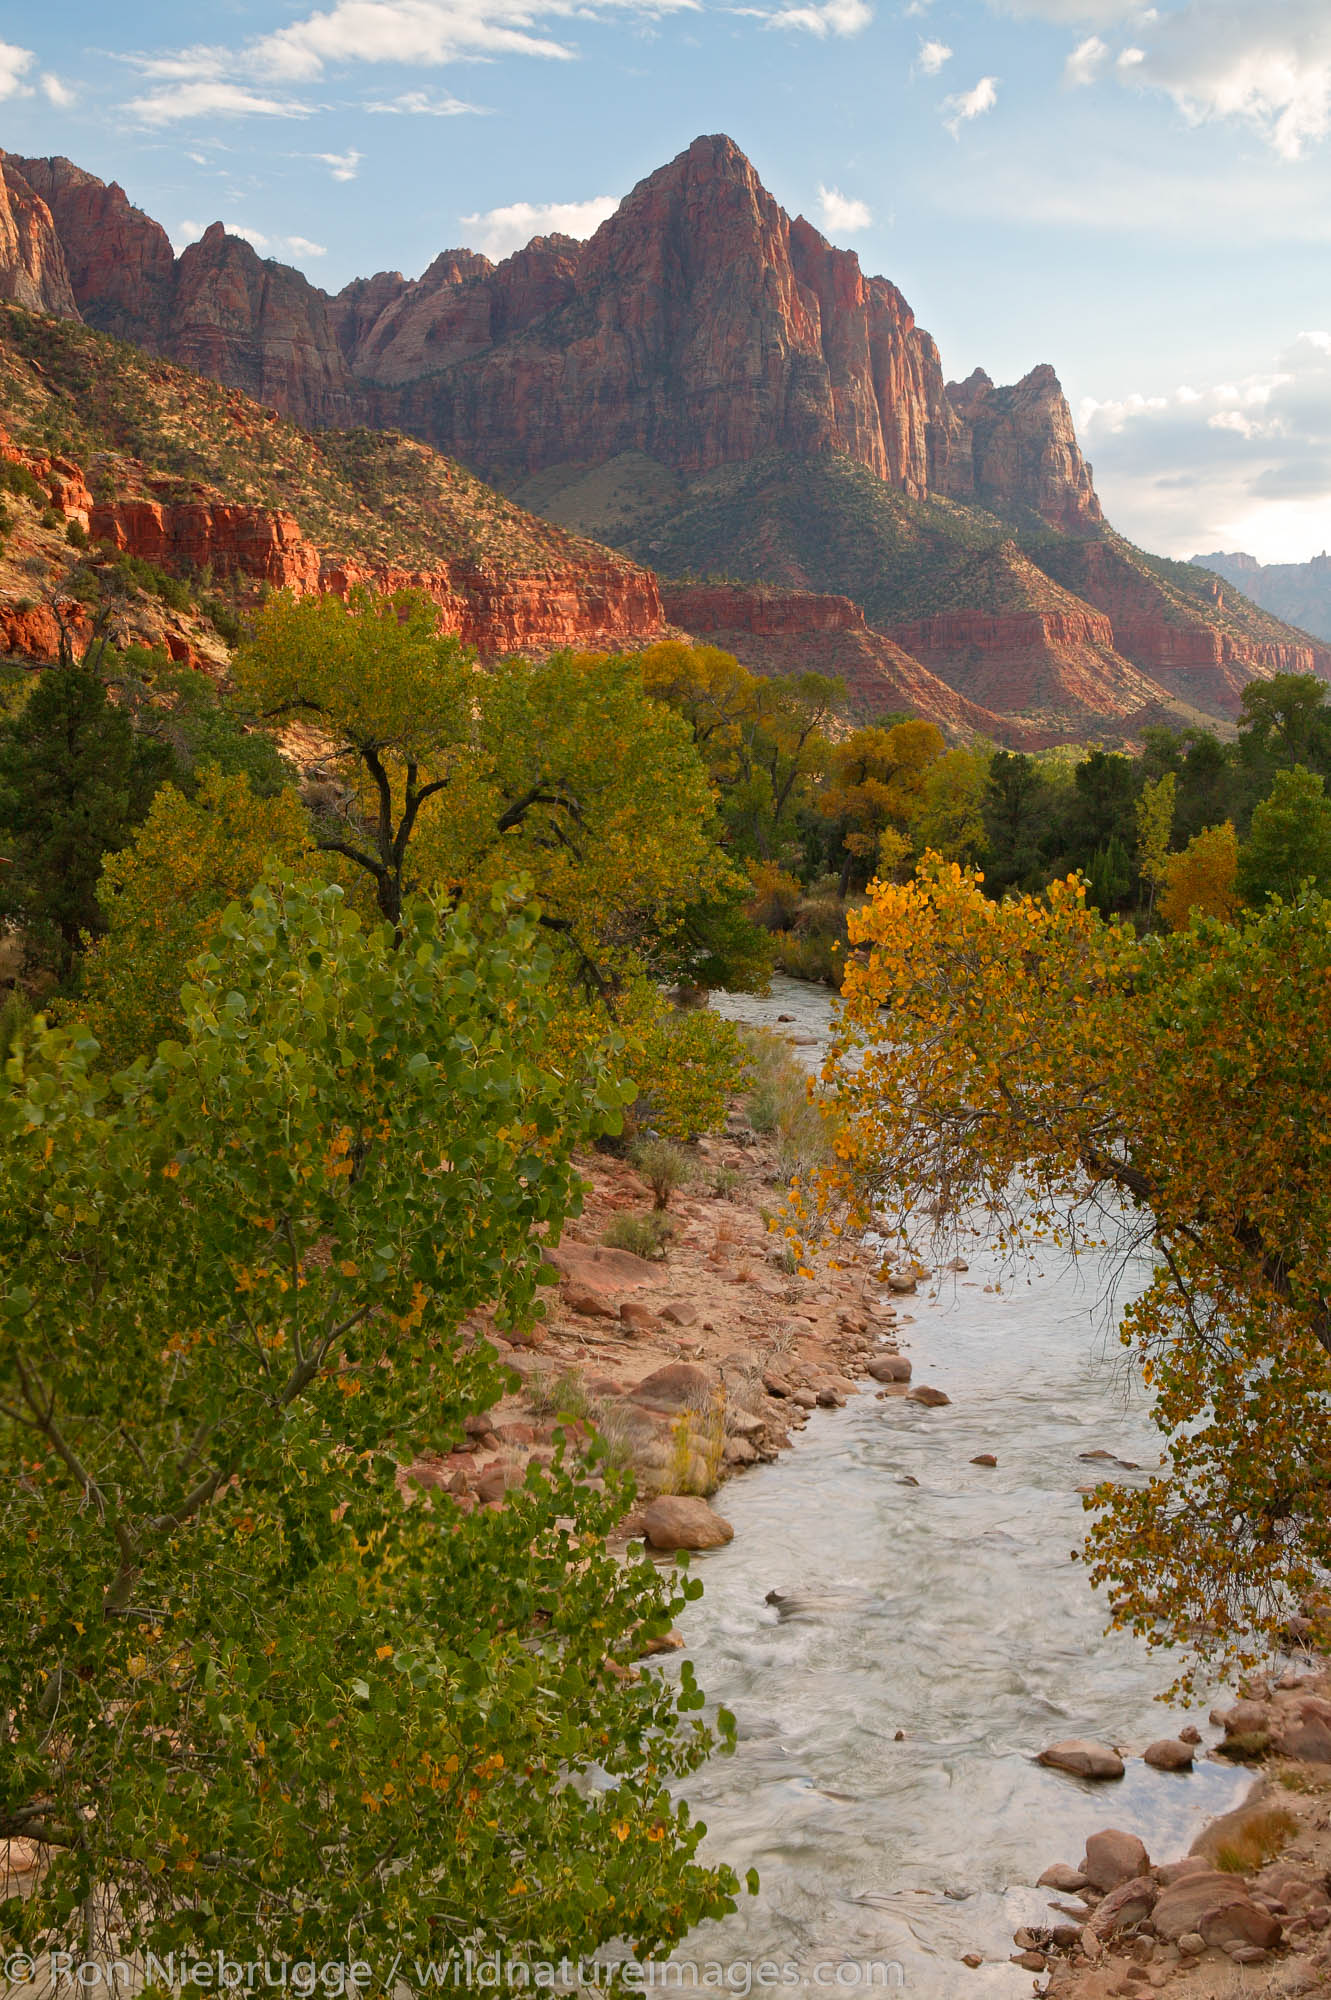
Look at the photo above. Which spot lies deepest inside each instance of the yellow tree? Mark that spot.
(950, 818)
(877, 780)
(1202, 881)
(163, 896)
(1155, 823)
(445, 775)
(1052, 1072)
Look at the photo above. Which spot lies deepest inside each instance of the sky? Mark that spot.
(1139, 195)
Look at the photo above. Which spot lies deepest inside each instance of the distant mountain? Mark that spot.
(1298, 592)
(711, 386)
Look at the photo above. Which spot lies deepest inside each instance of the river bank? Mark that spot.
(896, 1623)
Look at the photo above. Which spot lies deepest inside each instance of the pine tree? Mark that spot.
(75, 781)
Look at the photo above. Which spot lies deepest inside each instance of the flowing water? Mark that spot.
(937, 1635)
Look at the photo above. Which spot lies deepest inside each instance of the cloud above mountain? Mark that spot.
(1245, 463)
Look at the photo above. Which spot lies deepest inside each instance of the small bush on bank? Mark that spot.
(645, 1235)
(664, 1166)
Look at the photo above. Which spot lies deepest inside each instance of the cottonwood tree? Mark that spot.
(1027, 1064)
(252, 1688)
(460, 777)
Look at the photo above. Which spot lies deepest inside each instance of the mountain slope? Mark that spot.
(193, 477)
(1298, 592)
(707, 384)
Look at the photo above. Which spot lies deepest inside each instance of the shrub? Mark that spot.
(76, 535)
(645, 1235)
(725, 1183)
(686, 1067)
(1256, 1841)
(664, 1166)
(783, 1106)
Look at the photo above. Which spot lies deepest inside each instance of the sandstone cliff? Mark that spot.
(316, 514)
(701, 325)
(33, 272)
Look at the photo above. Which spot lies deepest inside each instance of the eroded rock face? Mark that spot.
(701, 324)
(33, 272)
(120, 262)
(1018, 449)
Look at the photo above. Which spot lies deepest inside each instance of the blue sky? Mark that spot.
(1141, 196)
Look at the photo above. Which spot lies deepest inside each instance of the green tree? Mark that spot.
(1289, 841)
(950, 820)
(1155, 823)
(162, 896)
(443, 775)
(256, 1684)
(74, 782)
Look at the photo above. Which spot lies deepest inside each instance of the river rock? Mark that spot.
(680, 1385)
(743, 1423)
(1189, 1904)
(889, 1368)
(804, 1399)
(1083, 1758)
(1113, 1856)
(588, 1301)
(1305, 1735)
(776, 1384)
(1241, 1923)
(680, 1521)
(902, 1282)
(738, 1451)
(1130, 1904)
(1059, 1876)
(984, 1458)
(1171, 1753)
(933, 1399)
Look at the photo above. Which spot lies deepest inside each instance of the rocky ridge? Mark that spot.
(1300, 592)
(707, 384)
(701, 324)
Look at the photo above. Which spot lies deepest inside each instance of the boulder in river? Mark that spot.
(1113, 1856)
(889, 1368)
(1063, 1878)
(933, 1399)
(1171, 1753)
(1083, 1758)
(680, 1521)
(1125, 1907)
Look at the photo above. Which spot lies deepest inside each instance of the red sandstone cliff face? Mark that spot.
(700, 325)
(33, 272)
(120, 262)
(1046, 665)
(1189, 650)
(597, 604)
(1018, 450)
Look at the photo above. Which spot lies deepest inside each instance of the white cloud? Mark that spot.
(1270, 67)
(842, 213)
(932, 56)
(500, 231)
(210, 99)
(420, 104)
(301, 246)
(342, 166)
(831, 17)
(968, 104)
(1243, 464)
(56, 92)
(14, 66)
(1086, 61)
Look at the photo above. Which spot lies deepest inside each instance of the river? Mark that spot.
(884, 1783)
